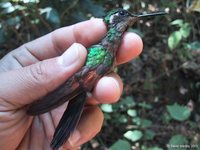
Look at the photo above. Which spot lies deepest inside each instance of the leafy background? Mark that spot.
(159, 108)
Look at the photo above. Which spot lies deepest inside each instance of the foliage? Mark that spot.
(119, 144)
(183, 32)
(107, 108)
(151, 148)
(178, 140)
(178, 112)
(161, 98)
(133, 135)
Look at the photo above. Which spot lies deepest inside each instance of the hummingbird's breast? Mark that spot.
(99, 62)
(100, 59)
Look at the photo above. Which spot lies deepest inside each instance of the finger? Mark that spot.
(86, 33)
(91, 100)
(108, 89)
(54, 44)
(89, 125)
(22, 86)
(131, 47)
(38, 49)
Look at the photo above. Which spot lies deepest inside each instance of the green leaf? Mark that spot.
(133, 135)
(166, 118)
(132, 112)
(145, 105)
(125, 103)
(137, 121)
(174, 39)
(107, 108)
(145, 123)
(194, 46)
(197, 84)
(121, 144)
(154, 148)
(122, 119)
(149, 134)
(178, 139)
(51, 15)
(151, 148)
(31, 1)
(13, 21)
(8, 7)
(27, 1)
(185, 30)
(128, 101)
(178, 22)
(107, 116)
(178, 112)
(5, 4)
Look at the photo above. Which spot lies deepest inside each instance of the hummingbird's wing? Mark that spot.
(68, 121)
(67, 91)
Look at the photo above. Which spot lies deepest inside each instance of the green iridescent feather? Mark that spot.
(111, 34)
(97, 55)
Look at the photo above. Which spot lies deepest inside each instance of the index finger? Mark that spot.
(56, 42)
(87, 33)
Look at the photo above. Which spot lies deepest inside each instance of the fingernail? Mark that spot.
(116, 84)
(70, 56)
(74, 138)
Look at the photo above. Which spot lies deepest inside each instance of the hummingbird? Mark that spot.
(101, 59)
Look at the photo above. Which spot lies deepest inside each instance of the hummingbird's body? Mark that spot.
(100, 61)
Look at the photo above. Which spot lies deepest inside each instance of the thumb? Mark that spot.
(23, 86)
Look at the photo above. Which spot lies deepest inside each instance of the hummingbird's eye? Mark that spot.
(123, 13)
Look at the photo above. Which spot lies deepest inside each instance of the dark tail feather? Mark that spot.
(68, 121)
(65, 92)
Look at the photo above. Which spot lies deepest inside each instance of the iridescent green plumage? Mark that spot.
(96, 56)
(111, 34)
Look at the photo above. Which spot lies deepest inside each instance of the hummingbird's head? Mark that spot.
(119, 16)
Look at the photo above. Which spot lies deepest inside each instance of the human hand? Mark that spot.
(34, 69)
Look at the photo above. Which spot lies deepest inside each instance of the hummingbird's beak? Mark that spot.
(149, 14)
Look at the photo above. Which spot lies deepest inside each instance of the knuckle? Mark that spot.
(38, 73)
